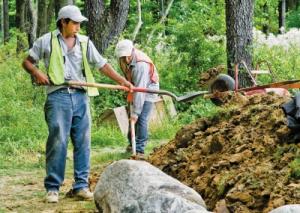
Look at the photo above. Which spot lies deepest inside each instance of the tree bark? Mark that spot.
(5, 21)
(105, 23)
(42, 20)
(50, 13)
(281, 17)
(20, 23)
(31, 22)
(239, 37)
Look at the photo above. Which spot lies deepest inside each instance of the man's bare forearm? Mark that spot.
(39, 76)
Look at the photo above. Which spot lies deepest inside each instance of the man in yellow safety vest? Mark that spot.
(67, 56)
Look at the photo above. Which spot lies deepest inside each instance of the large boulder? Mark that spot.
(137, 186)
(295, 208)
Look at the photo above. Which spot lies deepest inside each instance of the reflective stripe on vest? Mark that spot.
(142, 57)
(56, 65)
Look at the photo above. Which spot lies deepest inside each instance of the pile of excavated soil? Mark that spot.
(208, 76)
(238, 160)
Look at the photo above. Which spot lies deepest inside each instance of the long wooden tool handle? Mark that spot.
(119, 87)
(132, 131)
(97, 85)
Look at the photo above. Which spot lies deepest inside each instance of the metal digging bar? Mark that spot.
(186, 97)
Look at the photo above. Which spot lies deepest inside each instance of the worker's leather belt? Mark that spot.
(70, 90)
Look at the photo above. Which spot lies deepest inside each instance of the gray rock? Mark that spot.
(129, 186)
(295, 208)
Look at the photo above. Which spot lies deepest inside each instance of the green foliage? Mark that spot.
(200, 108)
(167, 129)
(22, 127)
(293, 18)
(266, 14)
(284, 63)
(190, 50)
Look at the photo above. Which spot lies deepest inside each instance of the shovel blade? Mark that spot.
(191, 96)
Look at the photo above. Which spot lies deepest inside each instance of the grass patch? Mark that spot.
(107, 136)
(167, 129)
(153, 144)
(24, 160)
(101, 156)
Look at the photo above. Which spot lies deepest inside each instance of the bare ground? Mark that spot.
(22, 191)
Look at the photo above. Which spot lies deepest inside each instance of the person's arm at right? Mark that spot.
(39, 77)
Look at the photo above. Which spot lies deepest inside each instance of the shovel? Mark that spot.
(186, 97)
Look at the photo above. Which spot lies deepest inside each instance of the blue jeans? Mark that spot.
(67, 115)
(141, 127)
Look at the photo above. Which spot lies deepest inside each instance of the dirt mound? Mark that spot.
(239, 159)
(208, 76)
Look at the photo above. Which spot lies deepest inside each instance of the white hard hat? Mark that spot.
(72, 12)
(124, 48)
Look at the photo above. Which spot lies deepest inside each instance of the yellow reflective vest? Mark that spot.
(56, 64)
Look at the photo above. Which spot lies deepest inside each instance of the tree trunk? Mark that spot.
(50, 13)
(281, 17)
(25, 22)
(105, 23)
(20, 23)
(42, 21)
(5, 21)
(31, 22)
(239, 37)
(60, 3)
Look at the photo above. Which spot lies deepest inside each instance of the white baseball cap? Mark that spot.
(72, 12)
(124, 48)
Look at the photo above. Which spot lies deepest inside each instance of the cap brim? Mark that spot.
(123, 53)
(79, 19)
(76, 19)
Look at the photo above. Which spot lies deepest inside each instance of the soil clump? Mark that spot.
(241, 160)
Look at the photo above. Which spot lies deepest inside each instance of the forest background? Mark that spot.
(184, 38)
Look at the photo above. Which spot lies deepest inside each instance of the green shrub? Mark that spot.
(200, 108)
(292, 18)
(284, 63)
